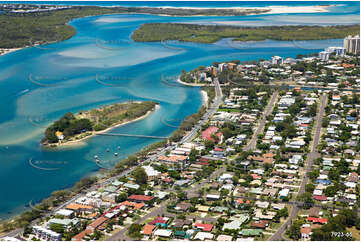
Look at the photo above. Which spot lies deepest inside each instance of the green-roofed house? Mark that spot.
(251, 232)
(179, 234)
(236, 222)
(111, 188)
(220, 209)
(64, 222)
(117, 183)
(326, 168)
(257, 190)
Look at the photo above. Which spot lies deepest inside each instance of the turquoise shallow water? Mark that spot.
(38, 85)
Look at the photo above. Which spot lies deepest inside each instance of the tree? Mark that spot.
(334, 174)
(352, 216)
(131, 160)
(181, 195)
(57, 228)
(310, 188)
(235, 179)
(96, 235)
(209, 144)
(281, 213)
(295, 230)
(227, 132)
(121, 197)
(193, 155)
(224, 192)
(330, 191)
(284, 212)
(140, 176)
(307, 199)
(134, 230)
(325, 122)
(314, 174)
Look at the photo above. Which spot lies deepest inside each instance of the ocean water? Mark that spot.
(102, 65)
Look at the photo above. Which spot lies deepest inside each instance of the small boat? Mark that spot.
(23, 91)
(116, 154)
(96, 157)
(108, 150)
(118, 147)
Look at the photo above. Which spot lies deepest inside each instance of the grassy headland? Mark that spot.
(72, 127)
(152, 32)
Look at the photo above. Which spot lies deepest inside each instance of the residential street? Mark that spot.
(121, 235)
(277, 236)
(252, 143)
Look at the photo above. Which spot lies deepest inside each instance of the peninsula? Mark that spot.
(152, 32)
(73, 128)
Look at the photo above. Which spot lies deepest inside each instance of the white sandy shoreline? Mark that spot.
(204, 98)
(203, 93)
(190, 84)
(4, 51)
(272, 9)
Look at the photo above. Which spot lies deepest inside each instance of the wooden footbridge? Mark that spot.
(134, 135)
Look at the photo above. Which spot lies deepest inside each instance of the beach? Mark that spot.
(4, 51)
(93, 133)
(204, 98)
(190, 84)
(270, 9)
(299, 9)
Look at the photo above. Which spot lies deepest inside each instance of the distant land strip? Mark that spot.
(18, 30)
(154, 32)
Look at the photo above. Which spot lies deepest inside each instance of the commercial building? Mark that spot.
(277, 60)
(337, 50)
(352, 44)
(46, 234)
(324, 55)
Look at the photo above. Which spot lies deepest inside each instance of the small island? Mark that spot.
(72, 128)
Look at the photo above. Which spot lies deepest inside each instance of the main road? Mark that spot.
(277, 236)
(212, 110)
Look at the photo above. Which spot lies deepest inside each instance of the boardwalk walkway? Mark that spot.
(134, 135)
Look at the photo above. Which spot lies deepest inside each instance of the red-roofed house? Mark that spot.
(148, 229)
(242, 201)
(256, 177)
(317, 220)
(261, 224)
(203, 159)
(202, 163)
(320, 197)
(97, 223)
(131, 204)
(204, 227)
(158, 220)
(140, 198)
(81, 235)
(207, 134)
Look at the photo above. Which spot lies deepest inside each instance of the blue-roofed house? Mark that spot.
(324, 182)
